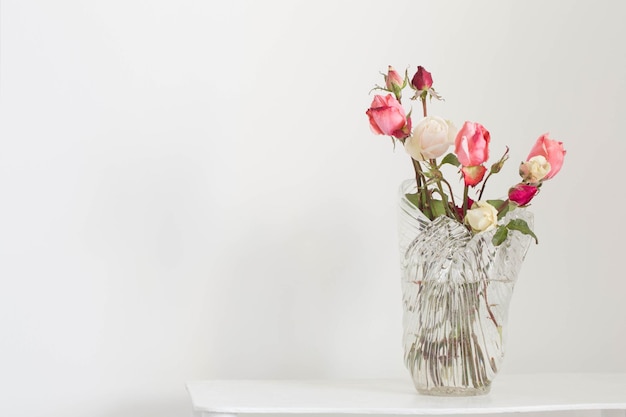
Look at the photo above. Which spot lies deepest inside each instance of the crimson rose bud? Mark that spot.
(522, 193)
(459, 209)
(422, 80)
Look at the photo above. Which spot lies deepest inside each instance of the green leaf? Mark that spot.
(501, 205)
(500, 236)
(512, 206)
(414, 199)
(450, 159)
(521, 226)
(504, 211)
(438, 208)
(497, 204)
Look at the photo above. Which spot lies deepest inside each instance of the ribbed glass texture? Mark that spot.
(456, 290)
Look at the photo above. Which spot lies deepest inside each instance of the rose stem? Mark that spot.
(423, 191)
(443, 196)
(483, 187)
(418, 174)
(465, 191)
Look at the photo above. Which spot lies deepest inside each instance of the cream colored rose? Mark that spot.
(482, 216)
(535, 169)
(431, 138)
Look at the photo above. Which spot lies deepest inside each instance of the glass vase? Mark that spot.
(456, 290)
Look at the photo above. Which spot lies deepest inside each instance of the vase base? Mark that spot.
(454, 391)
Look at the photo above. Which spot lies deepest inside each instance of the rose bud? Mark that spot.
(422, 80)
(535, 169)
(431, 138)
(550, 149)
(387, 117)
(482, 216)
(472, 144)
(497, 167)
(522, 193)
(394, 82)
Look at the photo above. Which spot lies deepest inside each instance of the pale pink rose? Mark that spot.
(422, 80)
(522, 193)
(387, 117)
(431, 138)
(472, 144)
(550, 149)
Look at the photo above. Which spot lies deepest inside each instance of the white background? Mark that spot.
(190, 189)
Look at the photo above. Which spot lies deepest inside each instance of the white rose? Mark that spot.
(482, 216)
(535, 169)
(431, 138)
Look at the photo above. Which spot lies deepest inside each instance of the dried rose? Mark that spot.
(422, 80)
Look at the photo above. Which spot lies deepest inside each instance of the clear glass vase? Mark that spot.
(456, 290)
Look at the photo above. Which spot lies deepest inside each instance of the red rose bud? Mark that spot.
(394, 82)
(459, 210)
(422, 80)
(522, 193)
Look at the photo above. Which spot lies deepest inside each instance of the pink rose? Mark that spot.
(550, 149)
(422, 80)
(472, 144)
(387, 117)
(522, 193)
(472, 150)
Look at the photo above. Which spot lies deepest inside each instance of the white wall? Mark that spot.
(190, 189)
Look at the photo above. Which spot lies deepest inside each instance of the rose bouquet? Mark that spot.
(460, 256)
(427, 144)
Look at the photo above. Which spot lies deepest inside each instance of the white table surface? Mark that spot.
(509, 393)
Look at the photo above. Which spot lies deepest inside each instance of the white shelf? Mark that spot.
(509, 394)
